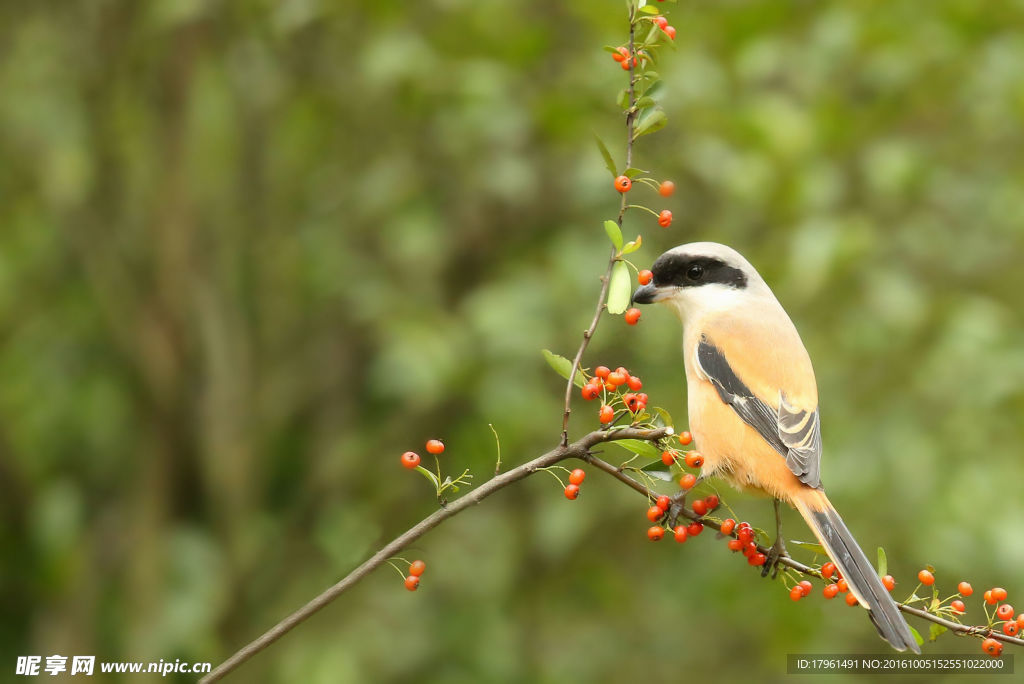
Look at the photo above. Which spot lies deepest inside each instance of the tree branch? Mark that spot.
(578, 449)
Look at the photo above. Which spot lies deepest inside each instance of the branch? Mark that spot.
(795, 564)
(602, 297)
(579, 449)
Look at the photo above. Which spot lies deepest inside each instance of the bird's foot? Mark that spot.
(676, 505)
(775, 554)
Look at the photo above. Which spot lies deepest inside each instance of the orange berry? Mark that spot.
(694, 459)
(1020, 620)
(655, 533)
(694, 528)
(827, 570)
(644, 277)
(889, 582)
(663, 502)
(851, 600)
(660, 21)
(843, 586)
(577, 476)
(410, 459)
(685, 437)
(1004, 612)
(999, 594)
(670, 31)
(620, 54)
(572, 491)
(654, 513)
(1010, 628)
(667, 458)
(757, 559)
(624, 371)
(590, 391)
(435, 446)
(958, 607)
(712, 501)
(622, 183)
(609, 387)
(606, 414)
(830, 591)
(688, 480)
(965, 589)
(926, 578)
(727, 526)
(796, 593)
(411, 582)
(616, 378)
(665, 218)
(699, 507)
(735, 544)
(417, 567)
(992, 647)
(680, 533)
(602, 372)
(666, 188)
(805, 587)
(634, 383)
(988, 597)
(632, 316)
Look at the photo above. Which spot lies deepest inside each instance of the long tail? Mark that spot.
(864, 583)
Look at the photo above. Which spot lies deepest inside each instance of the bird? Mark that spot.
(752, 402)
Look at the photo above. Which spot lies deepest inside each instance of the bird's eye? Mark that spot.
(695, 272)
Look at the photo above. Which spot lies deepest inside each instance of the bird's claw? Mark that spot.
(775, 554)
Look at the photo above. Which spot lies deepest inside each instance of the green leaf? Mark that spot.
(666, 418)
(429, 475)
(935, 631)
(659, 470)
(652, 120)
(619, 289)
(614, 234)
(650, 9)
(640, 448)
(608, 161)
(651, 75)
(609, 48)
(883, 565)
(917, 635)
(645, 102)
(623, 98)
(632, 245)
(562, 366)
(654, 89)
(633, 172)
(810, 546)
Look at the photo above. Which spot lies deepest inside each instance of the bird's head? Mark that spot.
(702, 276)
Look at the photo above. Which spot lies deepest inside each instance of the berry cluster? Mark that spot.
(608, 385)
(412, 461)
(416, 568)
(624, 184)
(572, 490)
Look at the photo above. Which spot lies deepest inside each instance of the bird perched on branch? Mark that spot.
(753, 404)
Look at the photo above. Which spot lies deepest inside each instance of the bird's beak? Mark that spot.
(648, 294)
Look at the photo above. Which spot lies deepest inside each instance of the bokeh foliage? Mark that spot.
(251, 251)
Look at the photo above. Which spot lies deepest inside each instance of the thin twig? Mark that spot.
(602, 297)
(578, 449)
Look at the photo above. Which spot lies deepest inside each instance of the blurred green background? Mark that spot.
(251, 251)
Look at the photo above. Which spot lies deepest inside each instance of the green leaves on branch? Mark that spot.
(614, 234)
(609, 163)
(883, 564)
(562, 366)
(651, 120)
(619, 289)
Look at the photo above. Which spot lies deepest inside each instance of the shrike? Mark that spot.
(753, 403)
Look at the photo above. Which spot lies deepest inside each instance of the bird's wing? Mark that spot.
(793, 432)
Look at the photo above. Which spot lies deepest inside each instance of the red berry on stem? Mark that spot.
(665, 218)
(727, 526)
(926, 578)
(620, 54)
(999, 594)
(606, 414)
(757, 559)
(590, 391)
(644, 277)
(411, 582)
(700, 508)
(572, 491)
(805, 587)
(851, 600)
(687, 481)
(694, 459)
(685, 437)
(843, 586)
(417, 567)
(667, 458)
(410, 459)
(889, 582)
(622, 183)
(577, 476)
(992, 647)
(670, 31)
(666, 188)
(796, 593)
(694, 528)
(632, 316)
(602, 372)
(655, 533)
(660, 22)
(735, 544)
(965, 589)
(1020, 620)
(827, 570)
(712, 501)
(1010, 628)
(830, 591)
(616, 378)
(654, 513)
(435, 446)
(958, 607)
(1004, 612)
(988, 597)
(634, 383)
(663, 502)
(680, 533)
